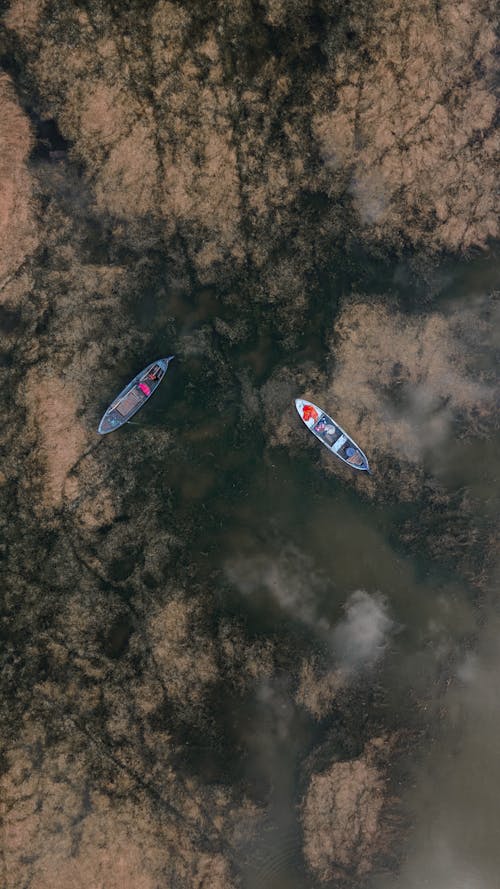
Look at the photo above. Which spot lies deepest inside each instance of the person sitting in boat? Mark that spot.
(353, 456)
(330, 433)
(327, 431)
(154, 373)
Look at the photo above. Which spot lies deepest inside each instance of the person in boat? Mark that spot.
(330, 433)
(353, 455)
(155, 373)
(327, 431)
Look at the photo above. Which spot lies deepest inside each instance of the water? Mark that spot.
(266, 538)
(335, 543)
(284, 546)
(308, 561)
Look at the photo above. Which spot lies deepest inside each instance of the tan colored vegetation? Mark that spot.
(58, 392)
(92, 785)
(109, 847)
(175, 131)
(398, 385)
(344, 823)
(78, 837)
(18, 227)
(23, 16)
(231, 163)
(181, 140)
(415, 126)
(167, 152)
(399, 382)
(317, 691)
(53, 405)
(185, 655)
(245, 662)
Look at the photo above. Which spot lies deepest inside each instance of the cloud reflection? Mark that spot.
(454, 801)
(358, 640)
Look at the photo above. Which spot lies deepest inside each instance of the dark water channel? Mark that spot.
(283, 546)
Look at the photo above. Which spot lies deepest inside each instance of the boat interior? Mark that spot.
(325, 428)
(355, 459)
(129, 401)
(154, 374)
(331, 435)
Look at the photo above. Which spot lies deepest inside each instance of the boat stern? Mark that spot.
(361, 467)
(108, 423)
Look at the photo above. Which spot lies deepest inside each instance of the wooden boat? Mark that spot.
(332, 435)
(134, 396)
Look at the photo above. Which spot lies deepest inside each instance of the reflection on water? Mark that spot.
(295, 546)
(454, 799)
(332, 541)
(275, 734)
(299, 555)
(474, 465)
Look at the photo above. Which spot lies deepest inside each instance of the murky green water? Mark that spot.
(283, 546)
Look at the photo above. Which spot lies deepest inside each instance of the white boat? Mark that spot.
(332, 435)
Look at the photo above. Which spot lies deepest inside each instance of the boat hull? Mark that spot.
(133, 396)
(331, 435)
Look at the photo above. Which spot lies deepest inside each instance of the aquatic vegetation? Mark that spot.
(228, 178)
(346, 818)
(404, 380)
(82, 836)
(212, 131)
(414, 123)
(18, 226)
(63, 439)
(319, 688)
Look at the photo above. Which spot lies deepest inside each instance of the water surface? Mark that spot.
(284, 545)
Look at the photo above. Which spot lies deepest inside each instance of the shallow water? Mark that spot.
(191, 513)
(284, 546)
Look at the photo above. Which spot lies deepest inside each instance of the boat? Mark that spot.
(332, 435)
(134, 396)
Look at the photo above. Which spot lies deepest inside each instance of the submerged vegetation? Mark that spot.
(233, 180)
